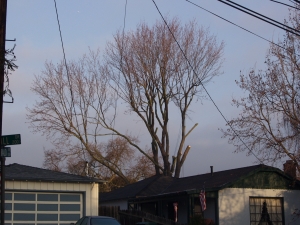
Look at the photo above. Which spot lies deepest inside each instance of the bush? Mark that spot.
(199, 220)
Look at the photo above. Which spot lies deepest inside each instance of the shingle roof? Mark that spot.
(159, 184)
(140, 188)
(19, 172)
(216, 180)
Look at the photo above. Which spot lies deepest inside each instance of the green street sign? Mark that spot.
(5, 152)
(13, 139)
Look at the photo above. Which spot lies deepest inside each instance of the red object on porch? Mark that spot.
(202, 200)
(175, 205)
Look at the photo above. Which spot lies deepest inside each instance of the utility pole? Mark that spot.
(3, 9)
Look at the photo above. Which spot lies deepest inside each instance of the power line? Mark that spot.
(261, 17)
(285, 4)
(68, 75)
(124, 25)
(64, 54)
(122, 47)
(275, 21)
(296, 1)
(124, 20)
(201, 82)
(234, 24)
(271, 42)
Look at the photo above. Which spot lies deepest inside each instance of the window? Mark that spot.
(266, 211)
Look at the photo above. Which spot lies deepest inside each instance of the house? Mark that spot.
(247, 195)
(39, 196)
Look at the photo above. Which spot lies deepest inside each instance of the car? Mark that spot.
(96, 220)
(146, 223)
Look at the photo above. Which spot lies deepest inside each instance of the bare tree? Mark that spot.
(151, 73)
(72, 105)
(116, 150)
(269, 124)
(144, 68)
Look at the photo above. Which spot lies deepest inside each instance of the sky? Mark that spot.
(91, 23)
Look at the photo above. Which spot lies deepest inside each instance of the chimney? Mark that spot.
(211, 170)
(289, 168)
(86, 169)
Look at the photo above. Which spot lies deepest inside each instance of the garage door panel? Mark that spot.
(24, 197)
(47, 217)
(23, 216)
(69, 217)
(69, 198)
(69, 207)
(47, 197)
(47, 207)
(24, 207)
(43, 208)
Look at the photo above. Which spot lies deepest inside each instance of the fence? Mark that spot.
(144, 216)
(112, 211)
(131, 217)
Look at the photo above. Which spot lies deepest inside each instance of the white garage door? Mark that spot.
(40, 208)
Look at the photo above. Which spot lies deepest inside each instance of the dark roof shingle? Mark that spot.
(28, 173)
(159, 184)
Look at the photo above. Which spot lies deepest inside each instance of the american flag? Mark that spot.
(202, 199)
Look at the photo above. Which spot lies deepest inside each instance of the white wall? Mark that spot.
(234, 204)
(91, 191)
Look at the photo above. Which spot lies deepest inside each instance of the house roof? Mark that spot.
(17, 172)
(215, 180)
(148, 186)
(162, 185)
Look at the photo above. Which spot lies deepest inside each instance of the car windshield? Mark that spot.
(104, 221)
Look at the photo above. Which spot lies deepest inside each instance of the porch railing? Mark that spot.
(144, 216)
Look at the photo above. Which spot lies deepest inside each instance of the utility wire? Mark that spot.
(234, 24)
(271, 42)
(296, 1)
(275, 21)
(121, 61)
(64, 56)
(201, 82)
(68, 74)
(285, 4)
(124, 25)
(261, 17)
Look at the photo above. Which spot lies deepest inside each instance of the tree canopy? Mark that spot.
(269, 124)
(143, 69)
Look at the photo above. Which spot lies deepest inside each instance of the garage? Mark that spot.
(35, 196)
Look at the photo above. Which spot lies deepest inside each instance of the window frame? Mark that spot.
(270, 208)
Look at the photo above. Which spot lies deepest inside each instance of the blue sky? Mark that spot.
(91, 23)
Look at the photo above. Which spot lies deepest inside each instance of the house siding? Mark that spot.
(234, 204)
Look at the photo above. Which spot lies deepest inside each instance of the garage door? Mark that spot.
(40, 208)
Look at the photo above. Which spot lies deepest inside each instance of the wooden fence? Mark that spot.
(144, 216)
(131, 217)
(112, 211)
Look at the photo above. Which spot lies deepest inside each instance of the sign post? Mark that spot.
(13, 139)
(5, 152)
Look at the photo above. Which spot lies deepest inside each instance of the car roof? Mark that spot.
(101, 217)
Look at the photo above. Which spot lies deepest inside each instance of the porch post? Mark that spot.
(190, 203)
(217, 208)
(159, 208)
